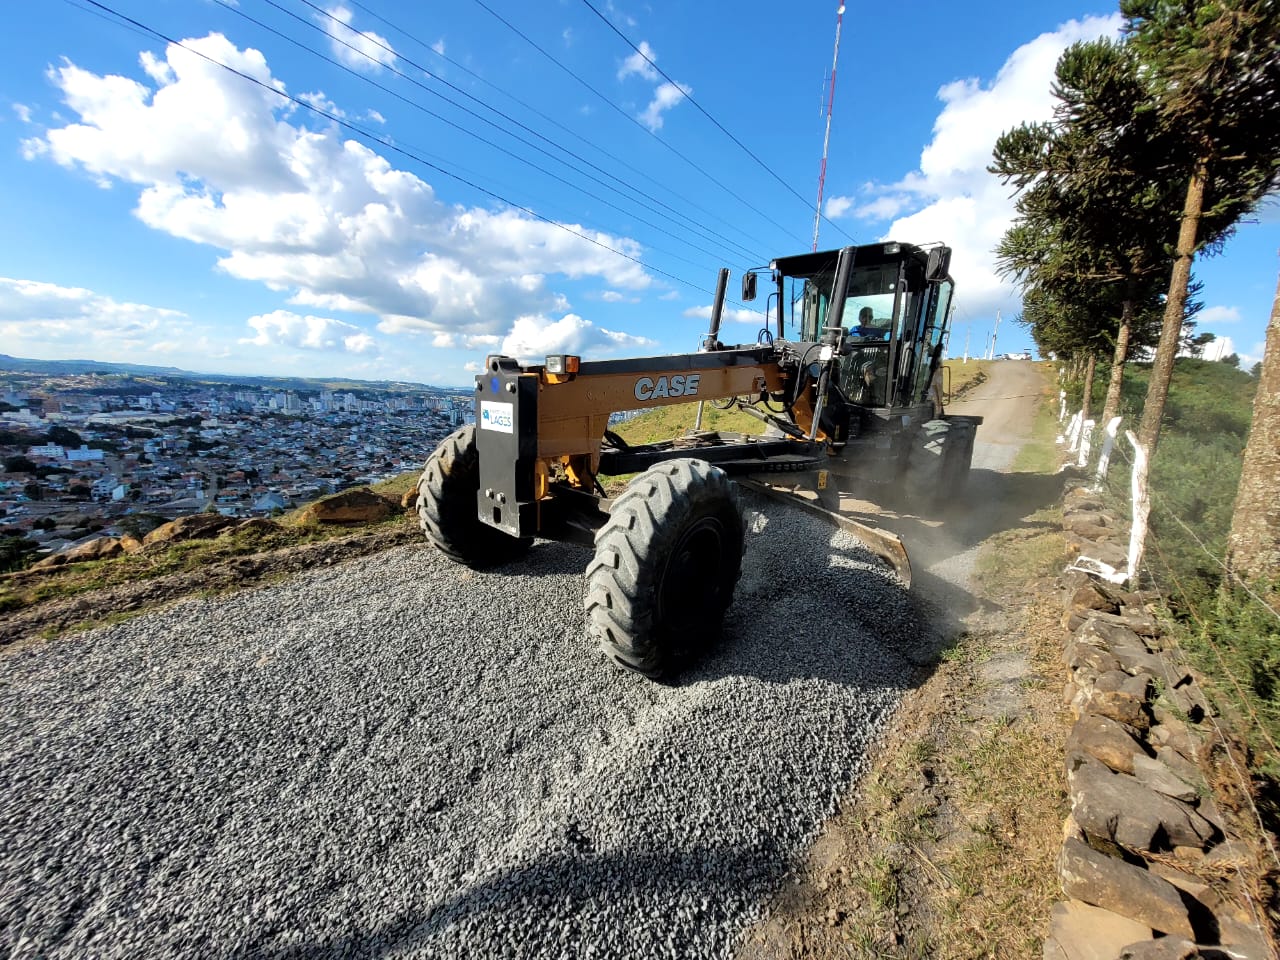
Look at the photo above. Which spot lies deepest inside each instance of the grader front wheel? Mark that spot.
(447, 509)
(666, 565)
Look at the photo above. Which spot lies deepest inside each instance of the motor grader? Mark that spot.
(845, 373)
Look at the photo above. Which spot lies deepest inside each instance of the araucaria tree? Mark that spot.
(1090, 243)
(1212, 69)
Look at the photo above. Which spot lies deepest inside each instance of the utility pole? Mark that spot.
(966, 342)
(994, 334)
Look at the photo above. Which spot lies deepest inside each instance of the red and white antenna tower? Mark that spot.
(826, 139)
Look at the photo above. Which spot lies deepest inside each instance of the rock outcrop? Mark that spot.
(358, 505)
(199, 526)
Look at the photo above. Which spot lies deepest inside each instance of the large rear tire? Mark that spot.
(447, 509)
(925, 479)
(666, 564)
(958, 459)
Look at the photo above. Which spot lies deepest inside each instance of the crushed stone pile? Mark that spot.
(402, 757)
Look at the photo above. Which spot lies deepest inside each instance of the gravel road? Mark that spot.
(399, 757)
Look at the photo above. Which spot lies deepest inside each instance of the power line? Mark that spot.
(613, 158)
(743, 200)
(369, 135)
(719, 126)
(431, 113)
(689, 222)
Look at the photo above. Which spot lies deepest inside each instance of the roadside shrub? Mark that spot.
(1238, 644)
(15, 553)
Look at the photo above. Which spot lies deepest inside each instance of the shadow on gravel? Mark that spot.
(533, 910)
(547, 558)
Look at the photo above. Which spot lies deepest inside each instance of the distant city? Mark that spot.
(82, 453)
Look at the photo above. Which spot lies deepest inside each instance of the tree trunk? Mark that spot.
(1112, 405)
(1253, 549)
(1174, 311)
(1087, 401)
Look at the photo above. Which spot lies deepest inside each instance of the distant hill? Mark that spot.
(21, 365)
(55, 368)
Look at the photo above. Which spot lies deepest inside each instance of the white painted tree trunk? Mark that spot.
(1141, 507)
(1086, 439)
(1073, 432)
(1109, 441)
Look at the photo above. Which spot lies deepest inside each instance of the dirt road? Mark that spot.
(1006, 401)
(943, 549)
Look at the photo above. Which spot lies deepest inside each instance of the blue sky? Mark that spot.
(162, 209)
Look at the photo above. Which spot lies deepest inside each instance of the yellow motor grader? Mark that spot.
(846, 374)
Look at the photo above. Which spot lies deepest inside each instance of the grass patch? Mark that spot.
(1040, 454)
(1031, 551)
(396, 487)
(879, 878)
(667, 423)
(24, 590)
(962, 376)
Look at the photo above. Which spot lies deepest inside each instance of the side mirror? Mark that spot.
(939, 264)
(748, 287)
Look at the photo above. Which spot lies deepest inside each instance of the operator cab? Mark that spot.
(893, 316)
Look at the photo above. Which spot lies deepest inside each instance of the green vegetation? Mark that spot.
(962, 375)
(396, 487)
(666, 423)
(1232, 638)
(15, 552)
(25, 590)
(1194, 474)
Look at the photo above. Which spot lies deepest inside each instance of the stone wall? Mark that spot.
(1147, 861)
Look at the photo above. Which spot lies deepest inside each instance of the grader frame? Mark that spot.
(531, 465)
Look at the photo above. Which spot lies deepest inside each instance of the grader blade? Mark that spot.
(884, 544)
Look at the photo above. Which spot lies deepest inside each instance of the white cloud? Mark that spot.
(359, 50)
(755, 318)
(471, 366)
(615, 14)
(838, 206)
(640, 63)
(666, 94)
(1225, 346)
(335, 226)
(72, 320)
(533, 337)
(958, 202)
(438, 47)
(318, 100)
(282, 328)
(615, 296)
(1218, 314)
(664, 98)
(884, 207)
(23, 112)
